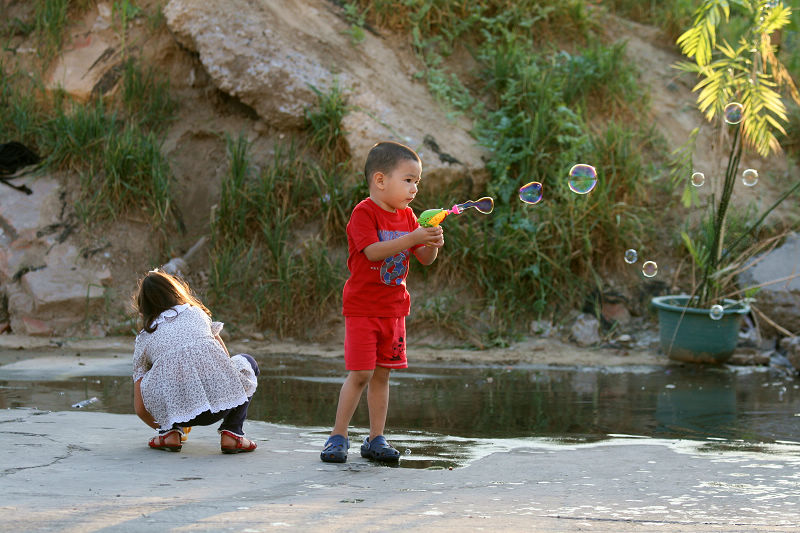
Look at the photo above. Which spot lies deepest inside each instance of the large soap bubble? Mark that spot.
(750, 177)
(649, 269)
(733, 113)
(531, 193)
(716, 312)
(698, 179)
(582, 179)
(631, 256)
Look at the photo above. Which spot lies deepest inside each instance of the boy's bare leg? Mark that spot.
(378, 401)
(349, 397)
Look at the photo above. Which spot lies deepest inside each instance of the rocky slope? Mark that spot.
(247, 66)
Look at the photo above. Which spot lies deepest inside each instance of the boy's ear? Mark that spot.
(379, 179)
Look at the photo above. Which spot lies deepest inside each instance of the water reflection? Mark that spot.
(756, 405)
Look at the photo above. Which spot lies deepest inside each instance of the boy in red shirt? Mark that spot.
(381, 235)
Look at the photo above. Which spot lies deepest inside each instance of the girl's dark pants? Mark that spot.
(232, 419)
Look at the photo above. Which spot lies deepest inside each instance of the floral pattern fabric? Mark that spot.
(185, 371)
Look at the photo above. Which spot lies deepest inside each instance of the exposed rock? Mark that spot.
(615, 312)
(791, 347)
(176, 267)
(270, 55)
(89, 63)
(584, 331)
(50, 286)
(781, 301)
(749, 357)
(541, 328)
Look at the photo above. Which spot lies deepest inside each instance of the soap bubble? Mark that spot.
(716, 312)
(531, 193)
(649, 269)
(408, 451)
(582, 179)
(698, 179)
(631, 256)
(733, 113)
(750, 177)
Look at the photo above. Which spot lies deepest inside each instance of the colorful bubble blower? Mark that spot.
(433, 217)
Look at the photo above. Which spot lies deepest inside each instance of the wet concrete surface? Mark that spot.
(86, 471)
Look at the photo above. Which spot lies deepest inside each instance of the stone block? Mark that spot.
(780, 301)
(36, 327)
(269, 55)
(584, 331)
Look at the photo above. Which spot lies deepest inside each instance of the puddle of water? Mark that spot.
(436, 409)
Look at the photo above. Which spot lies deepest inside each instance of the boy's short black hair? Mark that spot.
(384, 157)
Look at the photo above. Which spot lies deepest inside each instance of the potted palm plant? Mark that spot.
(740, 92)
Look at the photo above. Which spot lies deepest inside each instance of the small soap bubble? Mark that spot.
(750, 177)
(408, 451)
(649, 269)
(631, 256)
(716, 312)
(733, 113)
(582, 179)
(531, 193)
(698, 179)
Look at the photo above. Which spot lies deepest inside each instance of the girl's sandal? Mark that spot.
(240, 447)
(185, 435)
(159, 442)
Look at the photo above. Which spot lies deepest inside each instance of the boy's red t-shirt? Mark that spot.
(377, 288)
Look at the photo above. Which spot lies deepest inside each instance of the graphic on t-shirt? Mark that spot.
(393, 269)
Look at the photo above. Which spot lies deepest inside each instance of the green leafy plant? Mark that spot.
(751, 77)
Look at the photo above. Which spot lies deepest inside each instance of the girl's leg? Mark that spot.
(234, 419)
(349, 397)
(378, 401)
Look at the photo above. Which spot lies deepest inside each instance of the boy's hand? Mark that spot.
(429, 236)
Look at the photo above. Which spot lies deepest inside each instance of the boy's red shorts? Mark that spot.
(374, 341)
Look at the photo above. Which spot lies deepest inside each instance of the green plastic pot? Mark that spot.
(689, 334)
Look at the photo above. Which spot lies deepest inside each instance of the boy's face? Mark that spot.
(395, 190)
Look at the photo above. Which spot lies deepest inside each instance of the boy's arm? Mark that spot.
(427, 254)
(378, 251)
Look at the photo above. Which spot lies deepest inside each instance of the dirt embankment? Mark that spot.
(542, 351)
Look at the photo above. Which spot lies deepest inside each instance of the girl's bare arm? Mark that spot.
(138, 406)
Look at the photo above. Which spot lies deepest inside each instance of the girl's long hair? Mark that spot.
(158, 291)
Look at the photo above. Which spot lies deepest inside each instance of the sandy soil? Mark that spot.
(542, 351)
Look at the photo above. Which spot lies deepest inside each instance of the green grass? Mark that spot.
(672, 16)
(324, 123)
(269, 255)
(115, 149)
(537, 112)
(145, 96)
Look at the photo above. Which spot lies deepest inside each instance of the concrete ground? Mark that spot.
(90, 471)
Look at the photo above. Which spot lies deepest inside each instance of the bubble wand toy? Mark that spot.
(431, 218)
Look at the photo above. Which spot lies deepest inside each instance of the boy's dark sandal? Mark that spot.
(379, 450)
(159, 442)
(240, 447)
(335, 450)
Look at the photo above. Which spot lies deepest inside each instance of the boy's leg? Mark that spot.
(390, 354)
(378, 401)
(349, 397)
